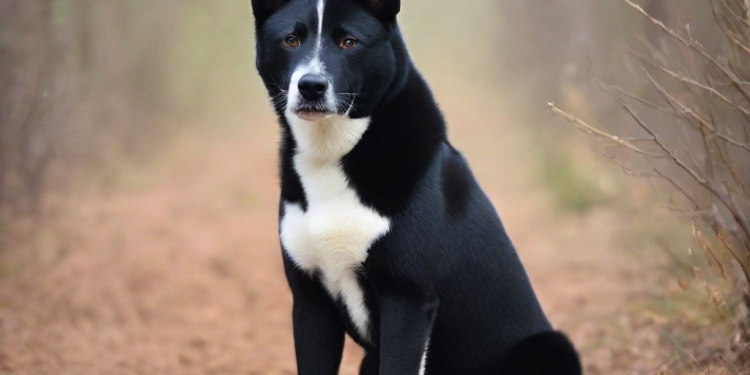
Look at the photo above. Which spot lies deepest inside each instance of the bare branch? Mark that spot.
(743, 264)
(693, 173)
(738, 215)
(677, 186)
(709, 89)
(695, 47)
(731, 169)
(592, 130)
(690, 112)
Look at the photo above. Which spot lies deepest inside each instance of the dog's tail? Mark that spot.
(546, 353)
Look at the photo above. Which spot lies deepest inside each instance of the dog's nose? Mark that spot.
(312, 86)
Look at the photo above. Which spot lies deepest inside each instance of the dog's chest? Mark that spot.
(337, 230)
(334, 234)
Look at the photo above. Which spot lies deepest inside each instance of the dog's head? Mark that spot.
(321, 58)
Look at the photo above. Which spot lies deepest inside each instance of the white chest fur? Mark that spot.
(335, 233)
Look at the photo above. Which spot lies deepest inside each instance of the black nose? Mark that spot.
(312, 86)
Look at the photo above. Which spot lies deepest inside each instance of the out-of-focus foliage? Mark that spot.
(26, 73)
(133, 63)
(85, 82)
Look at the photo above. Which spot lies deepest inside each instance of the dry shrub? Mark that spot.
(691, 131)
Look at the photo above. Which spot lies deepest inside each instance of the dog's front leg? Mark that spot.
(405, 325)
(318, 331)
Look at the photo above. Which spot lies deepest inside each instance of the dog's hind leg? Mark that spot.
(546, 353)
(370, 364)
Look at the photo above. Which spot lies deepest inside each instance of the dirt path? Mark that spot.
(180, 271)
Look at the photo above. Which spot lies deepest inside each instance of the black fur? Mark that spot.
(456, 184)
(559, 356)
(446, 270)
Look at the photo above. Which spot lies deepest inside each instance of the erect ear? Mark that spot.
(385, 10)
(262, 9)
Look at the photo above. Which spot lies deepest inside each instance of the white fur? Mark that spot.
(423, 363)
(319, 40)
(336, 231)
(293, 96)
(314, 65)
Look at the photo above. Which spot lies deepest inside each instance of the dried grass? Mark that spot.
(693, 127)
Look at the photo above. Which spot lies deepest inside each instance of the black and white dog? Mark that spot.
(386, 235)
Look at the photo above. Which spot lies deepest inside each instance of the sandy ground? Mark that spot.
(177, 270)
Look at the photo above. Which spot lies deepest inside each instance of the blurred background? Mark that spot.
(138, 187)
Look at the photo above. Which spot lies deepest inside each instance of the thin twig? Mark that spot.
(695, 47)
(690, 112)
(593, 130)
(677, 186)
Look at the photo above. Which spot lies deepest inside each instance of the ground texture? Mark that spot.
(176, 268)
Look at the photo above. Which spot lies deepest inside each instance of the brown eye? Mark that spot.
(291, 41)
(348, 43)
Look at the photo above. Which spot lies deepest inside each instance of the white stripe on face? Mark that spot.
(314, 65)
(319, 42)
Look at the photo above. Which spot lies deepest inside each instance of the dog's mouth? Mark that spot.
(312, 110)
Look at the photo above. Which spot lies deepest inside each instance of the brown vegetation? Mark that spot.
(693, 130)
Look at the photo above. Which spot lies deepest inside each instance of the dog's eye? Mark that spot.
(291, 41)
(348, 43)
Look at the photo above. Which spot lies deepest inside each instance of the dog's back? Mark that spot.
(386, 234)
(449, 239)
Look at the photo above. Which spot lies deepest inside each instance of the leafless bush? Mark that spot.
(692, 130)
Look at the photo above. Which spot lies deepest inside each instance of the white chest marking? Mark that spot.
(337, 230)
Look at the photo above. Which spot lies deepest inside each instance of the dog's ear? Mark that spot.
(385, 10)
(262, 9)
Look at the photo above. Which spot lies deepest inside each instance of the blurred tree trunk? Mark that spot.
(124, 59)
(108, 58)
(25, 70)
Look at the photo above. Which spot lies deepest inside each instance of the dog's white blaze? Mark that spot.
(423, 363)
(319, 40)
(313, 65)
(337, 230)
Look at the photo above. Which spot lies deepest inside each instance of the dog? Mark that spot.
(386, 235)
